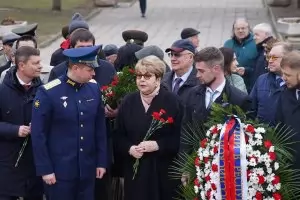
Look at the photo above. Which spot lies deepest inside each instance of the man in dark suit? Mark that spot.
(288, 111)
(183, 75)
(210, 71)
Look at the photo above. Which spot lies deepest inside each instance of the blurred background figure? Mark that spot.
(192, 35)
(111, 52)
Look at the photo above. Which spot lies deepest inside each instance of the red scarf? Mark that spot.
(65, 44)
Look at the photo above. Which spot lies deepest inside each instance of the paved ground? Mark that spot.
(166, 18)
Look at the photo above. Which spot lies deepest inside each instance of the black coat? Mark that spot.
(152, 181)
(58, 57)
(15, 110)
(196, 107)
(288, 113)
(104, 73)
(183, 91)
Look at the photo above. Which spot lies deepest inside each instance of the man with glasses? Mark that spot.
(183, 75)
(269, 86)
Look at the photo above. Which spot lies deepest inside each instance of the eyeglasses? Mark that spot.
(177, 55)
(272, 57)
(146, 76)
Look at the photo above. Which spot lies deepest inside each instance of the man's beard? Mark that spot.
(208, 84)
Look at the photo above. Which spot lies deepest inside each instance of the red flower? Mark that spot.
(268, 144)
(215, 130)
(213, 186)
(248, 174)
(247, 139)
(250, 129)
(261, 180)
(216, 148)
(206, 159)
(156, 115)
(162, 120)
(272, 155)
(258, 196)
(197, 161)
(116, 78)
(111, 94)
(203, 143)
(207, 178)
(196, 182)
(104, 87)
(131, 71)
(276, 180)
(162, 111)
(277, 196)
(114, 83)
(170, 120)
(208, 194)
(214, 168)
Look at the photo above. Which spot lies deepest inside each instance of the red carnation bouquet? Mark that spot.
(157, 122)
(122, 84)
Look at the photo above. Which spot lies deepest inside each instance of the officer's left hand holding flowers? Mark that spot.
(100, 172)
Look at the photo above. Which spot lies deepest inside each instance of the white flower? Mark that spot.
(202, 195)
(269, 170)
(278, 186)
(260, 130)
(252, 142)
(259, 142)
(207, 186)
(252, 162)
(196, 189)
(256, 153)
(258, 136)
(205, 153)
(271, 149)
(208, 133)
(270, 188)
(276, 165)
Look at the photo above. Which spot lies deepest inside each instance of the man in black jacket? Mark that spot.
(210, 71)
(18, 179)
(288, 111)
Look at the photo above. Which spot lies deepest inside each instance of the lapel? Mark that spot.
(292, 100)
(201, 91)
(167, 80)
(192, 80)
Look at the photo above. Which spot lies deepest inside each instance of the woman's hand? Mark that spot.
(148, 146)
(241, 71)
(109, 112)
(134, 151)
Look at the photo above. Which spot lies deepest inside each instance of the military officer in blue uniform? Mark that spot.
(68, 130)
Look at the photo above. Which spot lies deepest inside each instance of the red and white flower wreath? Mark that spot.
(262, 181)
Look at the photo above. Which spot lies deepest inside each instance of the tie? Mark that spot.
(211, 99)
(26, 87)
(279, 82)
(177, 85)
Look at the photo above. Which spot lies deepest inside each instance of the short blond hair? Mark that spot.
(153, 65)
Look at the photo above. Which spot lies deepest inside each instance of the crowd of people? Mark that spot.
(58, 140)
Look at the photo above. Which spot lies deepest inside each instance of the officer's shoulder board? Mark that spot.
(52, 84)
(93, 81)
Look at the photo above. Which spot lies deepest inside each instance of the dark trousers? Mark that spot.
(143, 6)
(71, 190)
(103, 189)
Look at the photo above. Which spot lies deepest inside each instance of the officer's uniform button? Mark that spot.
(81, 138)
(81, 149)
(79, 101)
(81, 113)
(81, 125)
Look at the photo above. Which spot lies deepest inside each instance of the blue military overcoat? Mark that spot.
(68, 130)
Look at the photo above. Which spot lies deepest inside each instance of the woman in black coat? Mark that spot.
(152, 181)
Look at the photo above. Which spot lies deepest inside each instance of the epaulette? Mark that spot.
(52, 84)
(93, 81)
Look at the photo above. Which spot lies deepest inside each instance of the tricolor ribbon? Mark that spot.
(232, 162)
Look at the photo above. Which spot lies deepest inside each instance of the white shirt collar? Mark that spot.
(22, 82)
(185, 76)
(220, 88)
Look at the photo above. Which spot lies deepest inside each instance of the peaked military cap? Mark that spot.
(188, 32)
(10, 38)
(135, 36)
(83, 55)
(26, 30)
